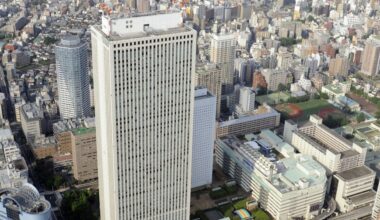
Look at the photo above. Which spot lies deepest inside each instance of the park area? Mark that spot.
(301, 111)
(231, 210)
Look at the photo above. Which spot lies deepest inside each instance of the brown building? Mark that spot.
(44, 147)
(85, 166)
(371, 56)
(339, 66)
(64, 142)
(259, 81)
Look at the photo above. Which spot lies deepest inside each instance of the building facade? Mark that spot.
(72, 78)
(203, 138)
(85, 165)
(222, 52)
(209, 76)
(371, 56)
(144, 97)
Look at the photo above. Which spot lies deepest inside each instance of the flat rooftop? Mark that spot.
(355, 173)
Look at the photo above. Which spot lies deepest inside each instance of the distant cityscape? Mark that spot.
(189, 109)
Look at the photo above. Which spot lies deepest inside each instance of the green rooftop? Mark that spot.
(83, 130)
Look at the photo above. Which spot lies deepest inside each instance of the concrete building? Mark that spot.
(339, 66)
(144, 118)
(24, 203)
(273, 78)
(43, 147)
(31, 117)
(371, 56)
(143, 6)
(354, 188)
(376, 205)
(222, 52)
(246, 100)
(334, 152)
(83, 144)
(209, 76)
(72, 78)
(203, 138)
(13, 168)
(287, 188)
(263, 117)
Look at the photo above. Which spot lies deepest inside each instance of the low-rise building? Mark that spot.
(264, 117)
(24, 203)
(44, 147)
(354, 188)
(288, 188)
(334, 152)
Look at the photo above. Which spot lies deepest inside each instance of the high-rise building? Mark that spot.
(84, 153)
(203, 138)
(339, 66)
(132, 3)
(371, 56)
(222, 52)
(247, 99)
(144, 96)
(143, 6)
(72, 77)
(376, 206)
(208, 76)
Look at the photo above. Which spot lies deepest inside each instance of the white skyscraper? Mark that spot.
(203, 138)
(144, 95)
(247, 99)
(72, 77)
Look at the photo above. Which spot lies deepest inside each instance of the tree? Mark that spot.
(360, 117)
(287, 41)
(324, 95)
(377, 114)
(310, 18)
(281, 87)
(78, 204)
(49, 40)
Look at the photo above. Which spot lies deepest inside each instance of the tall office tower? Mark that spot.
(144, 96)
(371, 56)
(72, 77)
(143, 6)
(132, 3)
(247, 99)
(208, 75)
(203, 138)
(222, 52)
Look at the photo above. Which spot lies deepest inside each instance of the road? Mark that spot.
(355, 214)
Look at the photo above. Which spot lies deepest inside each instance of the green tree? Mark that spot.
(324, 95)
(377, 114)
(281, 87)
(360, 117)
(287, 41)
(310, 18)
(50, 40)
